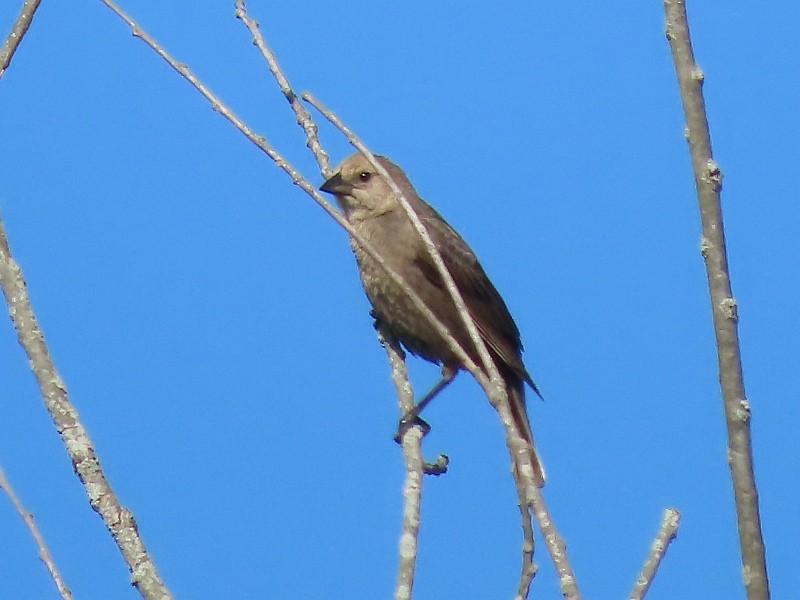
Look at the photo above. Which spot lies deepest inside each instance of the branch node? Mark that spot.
(729, 308)
(705, 246)
(714, 174)
(743, 413)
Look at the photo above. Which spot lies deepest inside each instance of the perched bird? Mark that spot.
(375, 212)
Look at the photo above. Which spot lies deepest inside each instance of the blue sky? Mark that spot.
(208, 320)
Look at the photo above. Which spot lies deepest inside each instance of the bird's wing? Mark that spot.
(486, 306)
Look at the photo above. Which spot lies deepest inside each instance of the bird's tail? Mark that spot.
(519, 412)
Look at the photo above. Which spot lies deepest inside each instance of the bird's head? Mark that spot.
(360, 191)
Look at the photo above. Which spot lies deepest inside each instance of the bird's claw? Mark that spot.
(436, 468)
(405, 424)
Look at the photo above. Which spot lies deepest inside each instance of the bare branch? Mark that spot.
(79, 446)
(529, 568)
(18, 31)
(555, 546)
(708, 181)
(302, 115)
(218, 105)
(415, 470)
(44, 553)
(667, 531)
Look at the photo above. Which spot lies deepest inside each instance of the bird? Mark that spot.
(375, 212)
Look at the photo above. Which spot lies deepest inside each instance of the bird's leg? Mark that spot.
(412, 416)
(448, 374)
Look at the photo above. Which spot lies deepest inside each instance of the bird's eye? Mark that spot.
(365, 176)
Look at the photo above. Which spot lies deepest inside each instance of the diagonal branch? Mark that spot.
(708, 181)
(118, 520)
(555, 546)
(44, 553)
(667, 531)
(302, 115)
(18, 31)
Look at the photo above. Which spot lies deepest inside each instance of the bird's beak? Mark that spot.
(335, 185)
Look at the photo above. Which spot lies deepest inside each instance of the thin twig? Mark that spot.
(30, 523)
(302, 115)
(667, 531)
(708, 181)
(79, 446)
(18, 31)
(555, 546)
(529, 568)
(415, 469)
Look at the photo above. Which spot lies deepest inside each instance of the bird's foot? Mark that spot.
(406, 422)
(436, 468)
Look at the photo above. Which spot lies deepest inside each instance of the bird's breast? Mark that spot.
(399, 246)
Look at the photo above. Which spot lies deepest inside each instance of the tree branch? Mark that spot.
(415, 470)
(302, 115)
(667, 531)
(529, 569)
(708, 181)
(555, 546)
(79, 446)
(44, 553)
(18, 31)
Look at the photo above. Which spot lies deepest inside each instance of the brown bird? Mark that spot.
(375, 212)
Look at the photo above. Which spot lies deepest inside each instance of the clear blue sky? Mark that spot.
(211, 329)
